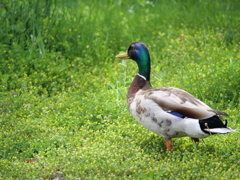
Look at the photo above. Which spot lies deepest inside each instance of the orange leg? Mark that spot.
(169, 145)
(196, 140)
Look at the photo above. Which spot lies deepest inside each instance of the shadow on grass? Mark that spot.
(154, 144)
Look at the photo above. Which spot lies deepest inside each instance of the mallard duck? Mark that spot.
(167, 111)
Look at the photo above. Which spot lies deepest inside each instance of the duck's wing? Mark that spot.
(176, 100)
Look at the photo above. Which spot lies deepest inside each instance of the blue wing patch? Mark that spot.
(177, 114)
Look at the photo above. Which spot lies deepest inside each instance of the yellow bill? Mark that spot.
(123, 56)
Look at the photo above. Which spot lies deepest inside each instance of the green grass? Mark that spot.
(63, 94)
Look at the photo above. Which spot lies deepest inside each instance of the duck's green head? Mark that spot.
(139, 53)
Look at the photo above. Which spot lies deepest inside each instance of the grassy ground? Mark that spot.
(63, 94)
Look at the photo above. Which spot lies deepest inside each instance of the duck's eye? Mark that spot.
(130, 48)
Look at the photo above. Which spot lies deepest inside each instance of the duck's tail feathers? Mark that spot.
(214, 125)
(219, 130)
(219, 113)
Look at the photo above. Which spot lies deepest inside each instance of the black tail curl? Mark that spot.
(211, 123)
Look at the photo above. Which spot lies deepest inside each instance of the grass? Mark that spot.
(63, 93)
